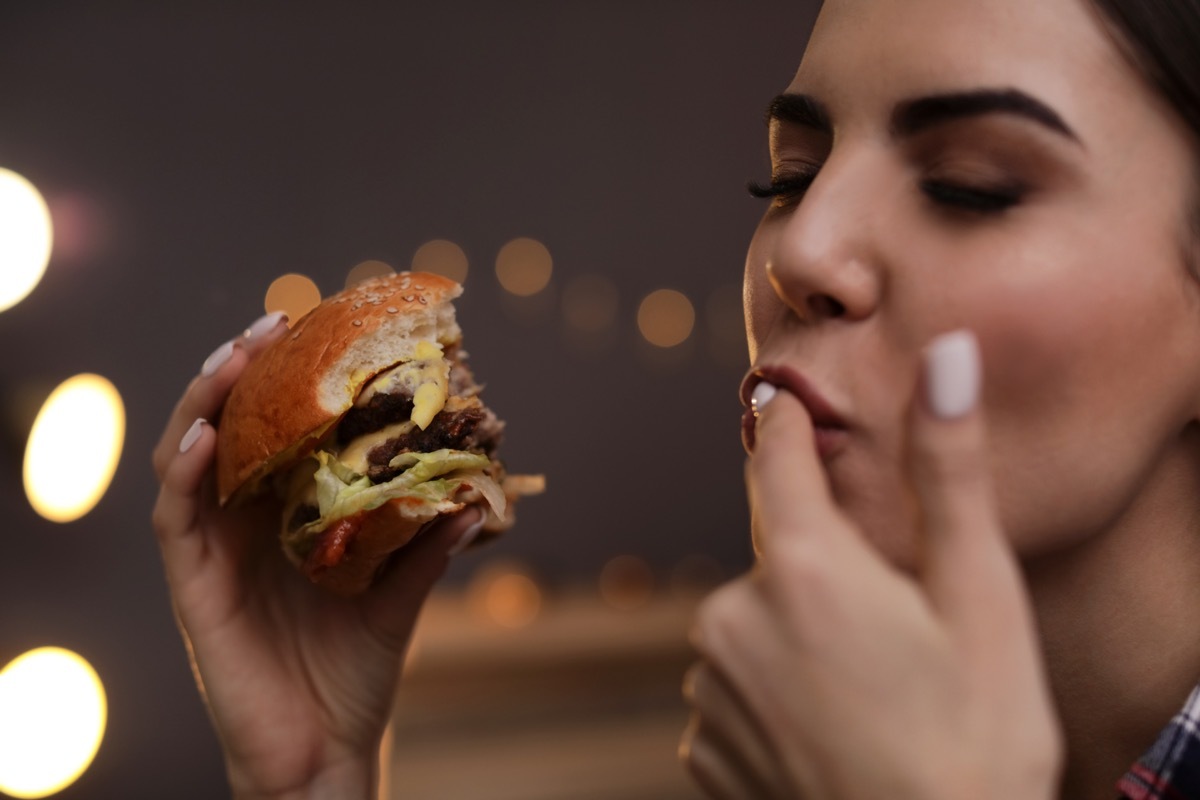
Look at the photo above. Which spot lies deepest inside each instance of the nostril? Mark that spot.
(826, 307)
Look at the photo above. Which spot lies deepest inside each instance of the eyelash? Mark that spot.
(980, 200)
(788, 190)
(783, 190)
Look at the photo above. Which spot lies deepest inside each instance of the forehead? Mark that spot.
(886, 49)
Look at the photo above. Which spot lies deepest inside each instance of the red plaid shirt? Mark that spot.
(1170, 769)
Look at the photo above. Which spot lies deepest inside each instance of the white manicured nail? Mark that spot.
(193, 434)
(952, 374)
(218, 357)
(762, 394)
(264, 324)
(468, 536)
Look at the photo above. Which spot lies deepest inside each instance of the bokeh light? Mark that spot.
(506, 594)
(293, 294)
(666, 318)
(589, 303)
(626, 583)
(26, 236)
(365, 270)
(524, 266)
(83, 421)
(53, 712)
(441, 257)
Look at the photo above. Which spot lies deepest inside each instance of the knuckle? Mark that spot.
(802, 567)
(691, 679)
(159, 462)
(691, 752)
(719, 620)
(158, 518)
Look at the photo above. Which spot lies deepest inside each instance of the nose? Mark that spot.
(826, 260)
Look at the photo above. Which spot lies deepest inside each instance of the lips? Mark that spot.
(829, 428)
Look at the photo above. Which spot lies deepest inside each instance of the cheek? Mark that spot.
(1085, 386)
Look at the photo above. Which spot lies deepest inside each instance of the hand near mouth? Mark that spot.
(828, 673)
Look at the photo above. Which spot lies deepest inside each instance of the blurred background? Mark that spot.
(179, 168)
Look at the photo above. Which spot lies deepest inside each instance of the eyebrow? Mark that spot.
(914, 116)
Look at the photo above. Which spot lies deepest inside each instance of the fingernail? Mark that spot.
(468, 536)
(218, 357)
(762, 394)
(264, 324)
(952, 374)
(193, 433)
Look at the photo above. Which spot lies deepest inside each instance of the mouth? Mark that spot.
(830, 431)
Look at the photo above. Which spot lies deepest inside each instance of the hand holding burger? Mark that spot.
(299, 681)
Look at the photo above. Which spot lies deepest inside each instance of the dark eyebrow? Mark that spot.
(914, 116)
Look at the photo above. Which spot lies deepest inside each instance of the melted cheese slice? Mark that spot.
(354, 455)
(425, 378)
(433, 375)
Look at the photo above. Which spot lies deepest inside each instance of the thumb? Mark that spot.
(968, 569)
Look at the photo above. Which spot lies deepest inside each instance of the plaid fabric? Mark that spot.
(1170, 769)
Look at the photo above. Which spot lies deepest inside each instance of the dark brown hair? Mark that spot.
(1163, 37)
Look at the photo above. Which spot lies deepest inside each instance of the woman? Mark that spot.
(1011, 168)
(969, 587)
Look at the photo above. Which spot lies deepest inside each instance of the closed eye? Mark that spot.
(977, 199)
(786, 189)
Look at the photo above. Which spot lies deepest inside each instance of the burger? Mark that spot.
(367, 424)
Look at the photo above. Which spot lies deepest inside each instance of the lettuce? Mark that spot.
(434, 478)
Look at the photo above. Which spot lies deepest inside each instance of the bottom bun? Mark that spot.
(381, 532)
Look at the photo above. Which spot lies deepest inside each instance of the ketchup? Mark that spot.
(331, 546)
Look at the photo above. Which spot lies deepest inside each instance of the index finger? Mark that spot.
(206, 393)
(788, 490)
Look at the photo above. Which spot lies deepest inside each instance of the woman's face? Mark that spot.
(997, 165)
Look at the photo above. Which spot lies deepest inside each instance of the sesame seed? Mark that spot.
(356, 323)
(392, 309)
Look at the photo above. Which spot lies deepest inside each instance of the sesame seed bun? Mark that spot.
(293, 393)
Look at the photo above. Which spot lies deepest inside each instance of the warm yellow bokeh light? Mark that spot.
(26, 235)
(52, 717)
(505, 593)
(441, 257)
(293, 294)
(365, 270)
(589, 303)
(513, 600)
(84, 417)
(666, 318)
(524, 266)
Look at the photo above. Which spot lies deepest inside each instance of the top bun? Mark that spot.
(296, 390)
